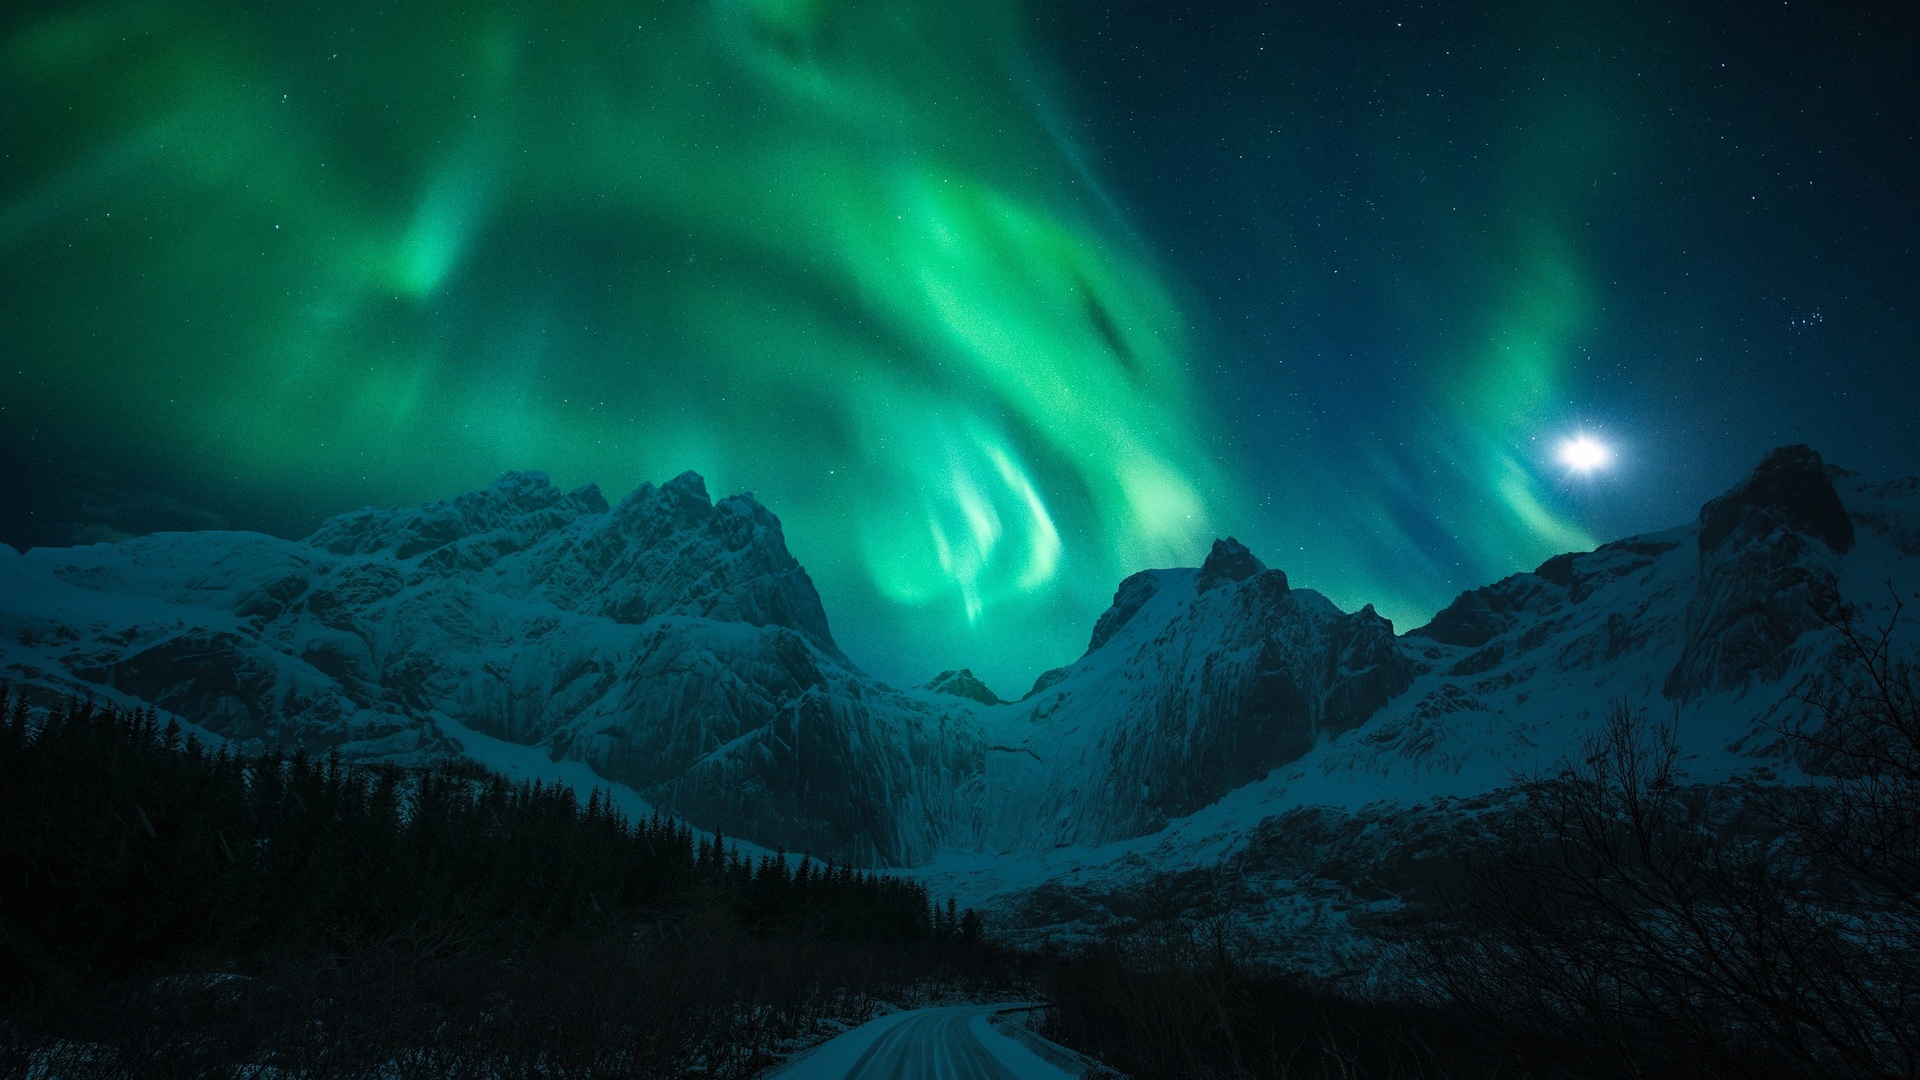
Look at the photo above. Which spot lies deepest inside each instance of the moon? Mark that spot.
(1585, 454)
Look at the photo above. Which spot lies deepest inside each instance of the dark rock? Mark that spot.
(963, 683)
(1477, 616)
(1476, 663)
(1049, 677)
(1470, 621)
(1213, 689)
(1228, 561)
(1790, 490)
(1768, 548)
(1133, 593)
(1558, 570)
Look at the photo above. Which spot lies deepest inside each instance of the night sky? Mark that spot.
(992, 304)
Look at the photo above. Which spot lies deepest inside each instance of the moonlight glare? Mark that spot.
(1585, 455)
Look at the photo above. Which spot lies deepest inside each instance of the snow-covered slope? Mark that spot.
(1218, 718)
(1710, 625)
(671, 643)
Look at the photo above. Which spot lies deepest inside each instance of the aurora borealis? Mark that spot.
(991, 304)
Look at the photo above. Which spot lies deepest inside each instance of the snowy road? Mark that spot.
(952, 1043)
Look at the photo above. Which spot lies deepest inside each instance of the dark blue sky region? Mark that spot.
(1345, 192)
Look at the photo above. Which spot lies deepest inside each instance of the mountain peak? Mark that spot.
(1789, 489)
(414, 530)
(588, 495)
(688, 485)
(680, 503)
(963, 683)
(1228, 561)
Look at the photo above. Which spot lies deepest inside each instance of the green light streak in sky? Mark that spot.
(1512, 385)
(1508, 392)
(1460, 485)
(822, 249)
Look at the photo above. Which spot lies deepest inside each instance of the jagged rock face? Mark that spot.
(1229, 561)
(1195, 683)
(672, 643)
(661, 551)
(1474, 618)
(1711, 625)
(963, 683)
(1484, 619)
(811, 756)
(1766, 549)
(1788, 491)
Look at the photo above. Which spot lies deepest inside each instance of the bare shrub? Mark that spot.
(1628, 923)
(1181, 997)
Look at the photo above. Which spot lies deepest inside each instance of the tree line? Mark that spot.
(125, 846)
(173, 909)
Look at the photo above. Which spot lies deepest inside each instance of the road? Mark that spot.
(951, 1043)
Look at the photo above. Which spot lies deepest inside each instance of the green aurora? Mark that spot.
(846, 255)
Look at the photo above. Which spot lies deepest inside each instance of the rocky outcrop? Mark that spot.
(963, 683)
(1767, 549)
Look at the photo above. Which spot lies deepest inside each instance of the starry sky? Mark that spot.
(992, 303)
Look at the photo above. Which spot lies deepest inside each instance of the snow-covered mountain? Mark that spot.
(670, 642)
(1709, 625)
(1195, 683)
(1219, 717)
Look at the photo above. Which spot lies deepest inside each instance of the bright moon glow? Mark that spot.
(1583, 454)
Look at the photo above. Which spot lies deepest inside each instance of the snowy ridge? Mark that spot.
(1708, 625)
(1220, 721)
(672, 644)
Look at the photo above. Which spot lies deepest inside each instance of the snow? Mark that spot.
(669, 651)
(835, 1058)
(1475, 719)
(524, 764)
(950, 1039)
(1023, 1063)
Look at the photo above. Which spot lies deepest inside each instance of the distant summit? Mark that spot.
(661, 550)
(962, 683)
(1228, 561)
(1790, 489)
